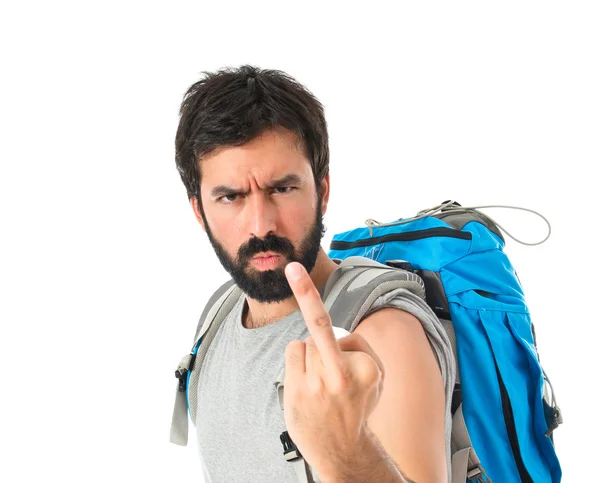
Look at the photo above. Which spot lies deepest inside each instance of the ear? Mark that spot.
(325, 188)
(197, 212)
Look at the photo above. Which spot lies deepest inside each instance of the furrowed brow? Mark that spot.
(287, 180)
(224, 190)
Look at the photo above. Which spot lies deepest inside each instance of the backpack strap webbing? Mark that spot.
(215, 312)
(465, 463)
(213, 302)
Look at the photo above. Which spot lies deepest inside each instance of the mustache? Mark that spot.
(270, 243)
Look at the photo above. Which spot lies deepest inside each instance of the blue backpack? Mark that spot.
(503, 414)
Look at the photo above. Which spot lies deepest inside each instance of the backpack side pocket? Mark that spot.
(502, 388)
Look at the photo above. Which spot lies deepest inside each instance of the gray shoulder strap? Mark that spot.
(212, 301)
(465, 463)
(215, 312)
(358, 282)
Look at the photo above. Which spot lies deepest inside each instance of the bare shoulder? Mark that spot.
(390, 320)
(399, 339)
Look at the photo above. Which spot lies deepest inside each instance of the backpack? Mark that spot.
(452, 256)
(502, 410)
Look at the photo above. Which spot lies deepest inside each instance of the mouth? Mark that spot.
(266, 260)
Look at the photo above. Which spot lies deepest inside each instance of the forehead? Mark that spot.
(274, 154)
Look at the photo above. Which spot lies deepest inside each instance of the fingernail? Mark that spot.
(293, 271)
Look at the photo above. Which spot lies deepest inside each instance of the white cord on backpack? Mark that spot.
(449, 206)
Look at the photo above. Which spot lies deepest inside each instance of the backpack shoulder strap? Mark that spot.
(215, 312)
(358, 282)
(465, 462)
(205, 321)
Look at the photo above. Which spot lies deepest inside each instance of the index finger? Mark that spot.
(315, 314)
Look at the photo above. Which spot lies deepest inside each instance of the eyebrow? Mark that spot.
(224, 190)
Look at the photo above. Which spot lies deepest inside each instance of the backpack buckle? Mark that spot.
(290, 450)
(181, 374)
(556, 421)
(185, 366)
(477, 473)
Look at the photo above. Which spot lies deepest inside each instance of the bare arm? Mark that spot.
(409, 419)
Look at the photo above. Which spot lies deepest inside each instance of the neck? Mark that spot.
(257, 314)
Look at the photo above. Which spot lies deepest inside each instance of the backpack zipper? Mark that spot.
(409, 236)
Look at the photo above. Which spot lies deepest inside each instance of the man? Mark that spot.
(252, 151)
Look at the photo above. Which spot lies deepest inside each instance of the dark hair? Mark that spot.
(233, 106)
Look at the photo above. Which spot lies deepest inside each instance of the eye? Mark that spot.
(283, 189)
(228, 199)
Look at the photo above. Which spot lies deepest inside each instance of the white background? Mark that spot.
(104, 270)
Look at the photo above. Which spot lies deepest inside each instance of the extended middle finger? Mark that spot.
(315, 314)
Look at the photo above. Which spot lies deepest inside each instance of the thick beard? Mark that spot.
(269, 286)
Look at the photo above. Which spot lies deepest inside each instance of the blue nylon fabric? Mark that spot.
(496, 325)
(426, 254)
(523, 336)
(512, 361)
(481, 400)
(490, 271)
(423, 254)
(483, 239)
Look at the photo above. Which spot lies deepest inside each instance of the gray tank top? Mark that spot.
(239, 419)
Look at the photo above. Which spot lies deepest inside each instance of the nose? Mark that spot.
(262, 216)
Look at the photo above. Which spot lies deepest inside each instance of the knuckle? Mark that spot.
(294, 346)
(339, 385)
(315, 384)
(322, 321)
(293, 351)
(371, 373)
(340, 382)
(311, 347)
(361, 342)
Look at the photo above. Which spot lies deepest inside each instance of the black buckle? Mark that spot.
(181, 374)
(290, 450)
(556, 420)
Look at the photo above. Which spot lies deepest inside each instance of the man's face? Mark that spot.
(261, 210)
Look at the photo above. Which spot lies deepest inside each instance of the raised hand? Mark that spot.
(331, 386)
